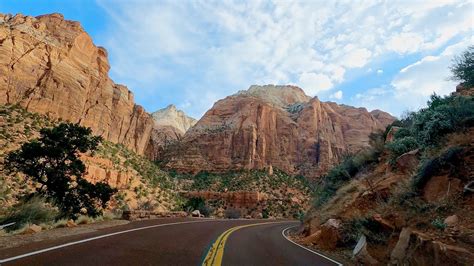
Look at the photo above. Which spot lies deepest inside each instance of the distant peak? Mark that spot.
(172, 116)
(280, 95)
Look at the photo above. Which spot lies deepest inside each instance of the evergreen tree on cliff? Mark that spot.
(53, 164)
(463, 68)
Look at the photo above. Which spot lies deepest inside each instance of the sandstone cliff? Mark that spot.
(275, 126)
(51, 66)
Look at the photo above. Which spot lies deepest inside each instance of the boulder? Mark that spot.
(399, 252)
(417, 248)
(196, 213)
(328, 235)
(71, 223)
(451, 220)
(408, 162)
(32, 229)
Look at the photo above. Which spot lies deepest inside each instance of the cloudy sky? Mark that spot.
(388, 55)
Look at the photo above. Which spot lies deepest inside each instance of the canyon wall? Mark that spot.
(276, 126)
(51, 66)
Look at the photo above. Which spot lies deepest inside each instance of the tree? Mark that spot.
(463, 68)
(52, 161)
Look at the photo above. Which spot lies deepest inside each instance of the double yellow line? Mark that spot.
(216, 252)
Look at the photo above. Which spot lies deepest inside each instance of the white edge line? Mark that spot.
(92, 239)
(310, 250)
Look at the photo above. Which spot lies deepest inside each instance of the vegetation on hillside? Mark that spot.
(52, 162)
(462, 68)
(377, 184)
(279, 189)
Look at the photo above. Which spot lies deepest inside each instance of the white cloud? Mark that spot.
(405, 42)
(313, 83)
(218, 47)
(379, 71)
(428, 75)
(336, 95)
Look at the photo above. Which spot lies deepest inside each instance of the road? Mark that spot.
(172, 241)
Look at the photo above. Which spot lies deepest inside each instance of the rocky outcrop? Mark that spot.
(50, 65)
(276, 126)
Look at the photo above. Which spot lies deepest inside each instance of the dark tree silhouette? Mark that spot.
(53, 162)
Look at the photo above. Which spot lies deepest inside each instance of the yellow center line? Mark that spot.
(216, 251)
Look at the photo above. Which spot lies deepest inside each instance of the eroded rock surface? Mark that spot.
(276, 126)
(51, 66)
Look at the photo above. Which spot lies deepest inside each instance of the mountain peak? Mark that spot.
(172, 116)
(279, 95)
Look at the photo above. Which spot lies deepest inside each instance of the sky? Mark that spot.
(388, 55)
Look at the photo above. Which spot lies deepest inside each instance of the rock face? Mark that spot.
(172, 117)
(170, 125)
(51, 66)
(276, 126)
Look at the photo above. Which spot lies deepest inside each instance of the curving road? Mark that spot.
(172, 241)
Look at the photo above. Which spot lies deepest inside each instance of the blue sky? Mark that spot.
(389, 55)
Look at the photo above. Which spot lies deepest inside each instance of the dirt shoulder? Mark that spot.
(10, 241)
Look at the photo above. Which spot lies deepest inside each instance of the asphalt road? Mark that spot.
(171, 241)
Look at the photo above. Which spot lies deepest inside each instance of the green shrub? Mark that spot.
(438, 223)
(32, 211)
(197, 204)
(401, 146)
(340, 174)
(354, 228)
(463, 67)
(435, 166)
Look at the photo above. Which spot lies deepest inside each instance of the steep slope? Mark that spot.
(51, 66)
(275, 126)
(409, 199)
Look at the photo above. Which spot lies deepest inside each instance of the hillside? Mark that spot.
(276, 126)
(141, 184)
(407, 200)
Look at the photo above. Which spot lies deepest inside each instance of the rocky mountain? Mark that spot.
(51, 66)
(276, 126)
(170, 126)
(172, 117)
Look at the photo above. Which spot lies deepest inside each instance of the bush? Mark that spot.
(342, 173)
(197, 204)
(435, 166)
(463, 67)
(32, 211)
(438, 224)
(401, 146)
(354, 228)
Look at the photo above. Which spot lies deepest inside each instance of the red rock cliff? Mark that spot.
(275, 126)
(50, 65)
